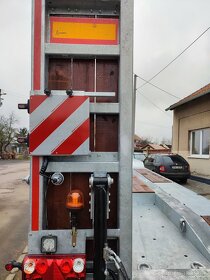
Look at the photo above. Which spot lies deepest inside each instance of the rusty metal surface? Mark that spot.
(153, 177)
(57, 214)
(207, 219)
(140, 187)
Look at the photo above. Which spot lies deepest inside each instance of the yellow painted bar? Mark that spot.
(84, 31)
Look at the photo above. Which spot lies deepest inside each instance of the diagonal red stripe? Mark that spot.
(57, 117)
(75, 140)
(36, 101)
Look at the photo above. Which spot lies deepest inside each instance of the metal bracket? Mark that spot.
(73, 93)
(91, 181)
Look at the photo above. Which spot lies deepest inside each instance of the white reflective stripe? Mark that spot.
(82, 150)
(55, 139)
(44, 110)
(80, 93)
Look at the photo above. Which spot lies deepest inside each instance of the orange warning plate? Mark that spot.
(94, 31)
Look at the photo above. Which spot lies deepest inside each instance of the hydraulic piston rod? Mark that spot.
(100, 184)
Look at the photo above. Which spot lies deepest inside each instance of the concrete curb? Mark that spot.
(13, 273)
(200, 179)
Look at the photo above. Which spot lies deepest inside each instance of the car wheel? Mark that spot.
(184, 180)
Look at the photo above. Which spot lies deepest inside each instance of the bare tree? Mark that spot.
(23, 133)
(166, 141)
(146, 140)
(7, 131)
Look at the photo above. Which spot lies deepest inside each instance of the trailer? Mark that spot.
(80, 141)
(88, 208)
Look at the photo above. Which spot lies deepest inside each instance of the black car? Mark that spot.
(172, 166)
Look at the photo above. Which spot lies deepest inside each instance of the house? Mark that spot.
(191, 130)
(156, 149)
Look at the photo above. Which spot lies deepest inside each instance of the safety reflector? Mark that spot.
(59, 125)
(98, 31)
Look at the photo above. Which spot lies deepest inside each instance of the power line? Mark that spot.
(154, 104)
(159, 88)
(152, 124)
(175, 58)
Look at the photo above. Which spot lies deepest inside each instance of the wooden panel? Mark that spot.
(79, 74)
(106, 133)
(107, 76)
(80, 181)
(153, 177)
(83, 74)
(207, 219)
(58, 215)
(140, 187)
(59, 74)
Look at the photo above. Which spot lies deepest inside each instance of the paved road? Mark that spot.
(14, 211)
(198, 187)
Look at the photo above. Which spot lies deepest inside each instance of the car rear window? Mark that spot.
(174, 160)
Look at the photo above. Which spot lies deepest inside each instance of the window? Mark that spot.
(199, 142)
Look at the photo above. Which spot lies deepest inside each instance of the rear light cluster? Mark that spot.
(162, 168)
(54, 267)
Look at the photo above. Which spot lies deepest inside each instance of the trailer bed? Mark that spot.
(160, 249)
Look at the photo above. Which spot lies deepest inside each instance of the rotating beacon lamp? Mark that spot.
(74, 203)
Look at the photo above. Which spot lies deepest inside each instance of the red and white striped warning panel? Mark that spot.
(59, 125)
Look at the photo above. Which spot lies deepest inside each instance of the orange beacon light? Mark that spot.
(75, 200)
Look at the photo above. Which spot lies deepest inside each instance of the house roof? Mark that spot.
(137, 138)
(155, 147)
(201, 92)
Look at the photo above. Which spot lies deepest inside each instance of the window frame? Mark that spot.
(200, 155)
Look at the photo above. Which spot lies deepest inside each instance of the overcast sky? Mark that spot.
(163, 29)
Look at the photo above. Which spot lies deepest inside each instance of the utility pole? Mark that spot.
(1, 99)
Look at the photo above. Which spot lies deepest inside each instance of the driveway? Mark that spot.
(198, 187)
(14, 211)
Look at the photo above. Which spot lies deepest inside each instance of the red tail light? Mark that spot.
(59, 267)
(66, 266)
(162, 168)
(41, 267)
(8, 266)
